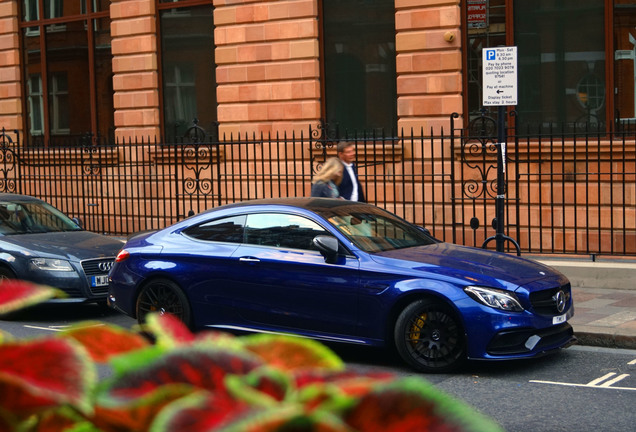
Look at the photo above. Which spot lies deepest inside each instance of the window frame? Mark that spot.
(172, 7)
(33, 28)
(369, 129)
(609, 29)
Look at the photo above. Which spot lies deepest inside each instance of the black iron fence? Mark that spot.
(564, 193)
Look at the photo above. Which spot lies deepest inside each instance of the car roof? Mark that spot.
(309, 203)
(18, 197)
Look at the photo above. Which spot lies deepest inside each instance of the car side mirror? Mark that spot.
(78, 221)
(428, 233)
(327, 246)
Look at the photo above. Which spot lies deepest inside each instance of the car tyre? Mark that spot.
(163, 296)
(5, 273)
(429, 337)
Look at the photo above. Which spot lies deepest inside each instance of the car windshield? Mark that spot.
(374, 230)
(22, 217)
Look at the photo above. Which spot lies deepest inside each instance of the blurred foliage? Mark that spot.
(166, 378)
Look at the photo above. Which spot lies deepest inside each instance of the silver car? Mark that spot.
(38, 243)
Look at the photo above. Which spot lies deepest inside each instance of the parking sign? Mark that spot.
(499, 76)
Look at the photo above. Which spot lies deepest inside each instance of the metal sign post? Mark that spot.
(500, 89)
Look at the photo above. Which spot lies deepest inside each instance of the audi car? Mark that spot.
(336, 270)
(39, 243)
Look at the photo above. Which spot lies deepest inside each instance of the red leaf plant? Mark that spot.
(40, 374)
(105, 341)
(17, 294)
(208, 381)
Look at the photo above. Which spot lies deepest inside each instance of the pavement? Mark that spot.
(604, 293)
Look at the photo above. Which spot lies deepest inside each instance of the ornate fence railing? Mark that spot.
(564, 193)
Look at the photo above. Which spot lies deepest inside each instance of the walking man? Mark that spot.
(350, 187)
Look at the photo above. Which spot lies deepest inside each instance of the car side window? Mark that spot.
(229, 230)
(282, 230)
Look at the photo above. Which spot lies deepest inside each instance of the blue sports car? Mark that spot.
(344, 271)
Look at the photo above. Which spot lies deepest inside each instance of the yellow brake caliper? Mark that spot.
(416, 328)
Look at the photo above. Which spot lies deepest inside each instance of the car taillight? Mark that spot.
(122, 255)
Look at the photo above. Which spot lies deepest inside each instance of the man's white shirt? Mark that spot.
(354, 181)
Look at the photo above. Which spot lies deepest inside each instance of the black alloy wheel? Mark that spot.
(163, 296)
(429, 337)
(5, 273)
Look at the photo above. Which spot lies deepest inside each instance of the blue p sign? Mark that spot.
(490, 54)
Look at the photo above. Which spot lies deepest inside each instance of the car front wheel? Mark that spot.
(163, 296)
(429, 337)
(6, 274)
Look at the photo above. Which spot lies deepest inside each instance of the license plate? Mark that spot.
(98, 281)
(558, 319)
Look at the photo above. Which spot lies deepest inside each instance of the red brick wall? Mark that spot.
(268, 69)
(135, 69)
(429, 63)
(10, 88)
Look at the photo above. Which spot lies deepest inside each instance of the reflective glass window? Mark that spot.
(561, 66)
(281, 230)
(229, 230)
(67, 67)
(188, 70)
(359, 62)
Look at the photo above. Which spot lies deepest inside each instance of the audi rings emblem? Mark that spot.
(105, 266)
(559, 300)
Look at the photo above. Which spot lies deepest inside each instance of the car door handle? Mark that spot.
(249, 259)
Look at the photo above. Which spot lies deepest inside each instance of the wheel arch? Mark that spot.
(159, 277)
(150, 279)
(5, 265)
(413, 296)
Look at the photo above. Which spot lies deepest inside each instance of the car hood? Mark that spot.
(72, 245)
(471, 265)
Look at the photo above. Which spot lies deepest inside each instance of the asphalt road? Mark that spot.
(578, 389)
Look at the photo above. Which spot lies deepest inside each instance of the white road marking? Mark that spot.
(43, 328)
(614, 381)
(601, 379)
(633, 362)
(59, 328)
(606, 381)
(582, 385)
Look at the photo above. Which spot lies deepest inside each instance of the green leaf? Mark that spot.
(44, 373)
(287, 418)
(168, 330)
(263, 386)
(199, 412)
(136, 414)
(292, 353)
(201, 366)
(16, 294)
(105, 341)
(414, 404)
(5, 337)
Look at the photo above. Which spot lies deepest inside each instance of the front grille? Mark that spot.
(544, 302)
(97, 267)
(512, 342)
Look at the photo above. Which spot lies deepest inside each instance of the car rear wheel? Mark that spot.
(429, 337)
(163, 296)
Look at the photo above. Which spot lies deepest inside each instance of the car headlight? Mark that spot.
(51, 264)
(495, 298)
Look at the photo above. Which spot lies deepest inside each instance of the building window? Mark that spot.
(561, 68)
(67, 65)
(624, 57)
(58, 103)
(180, 105)
(359, 64)
(36, 114)
(563, 53)
(187, 68)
